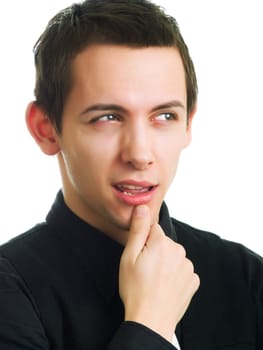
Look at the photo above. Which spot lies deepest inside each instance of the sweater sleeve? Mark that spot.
(20, 327)
(135, 336)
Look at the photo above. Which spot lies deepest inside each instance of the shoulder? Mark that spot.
(210, 243)
(35, 238)
(30, 252)
(210, 252)
(188, 233)
(231, 286)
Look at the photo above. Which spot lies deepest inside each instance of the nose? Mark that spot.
(136, 147)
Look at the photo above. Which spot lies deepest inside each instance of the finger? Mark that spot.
(139, 231)
(156, 235)
(157, 231)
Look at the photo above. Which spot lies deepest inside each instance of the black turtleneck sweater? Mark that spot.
(59, 290)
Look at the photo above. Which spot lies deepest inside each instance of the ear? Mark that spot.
(189, 126)
(41, 129)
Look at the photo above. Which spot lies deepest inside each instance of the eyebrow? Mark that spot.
(118, 108)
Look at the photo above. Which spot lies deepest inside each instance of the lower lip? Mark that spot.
(137, 198)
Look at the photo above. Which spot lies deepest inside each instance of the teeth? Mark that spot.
(131, 187)
(131, 190)
(128, 193)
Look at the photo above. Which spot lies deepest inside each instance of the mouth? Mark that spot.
(132, 190)
(135, 193)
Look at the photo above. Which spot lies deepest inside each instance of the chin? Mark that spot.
(123, 220)
(124, 224)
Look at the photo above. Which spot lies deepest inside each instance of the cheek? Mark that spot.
(170, 149)
(89, 158)
(169, 158)
(172, 164)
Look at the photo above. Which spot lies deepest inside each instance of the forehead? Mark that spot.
(132, 75)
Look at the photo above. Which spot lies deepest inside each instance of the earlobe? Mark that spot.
(41, 129)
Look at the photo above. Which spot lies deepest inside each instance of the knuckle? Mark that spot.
(196, 279)
(189, 266)
(195, 283)
(161, 240)
(180, 251)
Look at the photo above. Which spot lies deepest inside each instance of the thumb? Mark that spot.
(139, 231)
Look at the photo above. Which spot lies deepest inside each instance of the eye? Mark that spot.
(166, 116)
(105, 118)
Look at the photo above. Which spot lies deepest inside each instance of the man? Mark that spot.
(109, 269)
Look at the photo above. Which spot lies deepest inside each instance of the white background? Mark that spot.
(219, 183)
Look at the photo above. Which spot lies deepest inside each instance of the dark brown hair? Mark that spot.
(133, 23)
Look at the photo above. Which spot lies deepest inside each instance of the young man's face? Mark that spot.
(124, 127)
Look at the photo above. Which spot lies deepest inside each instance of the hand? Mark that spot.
(156, 280)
